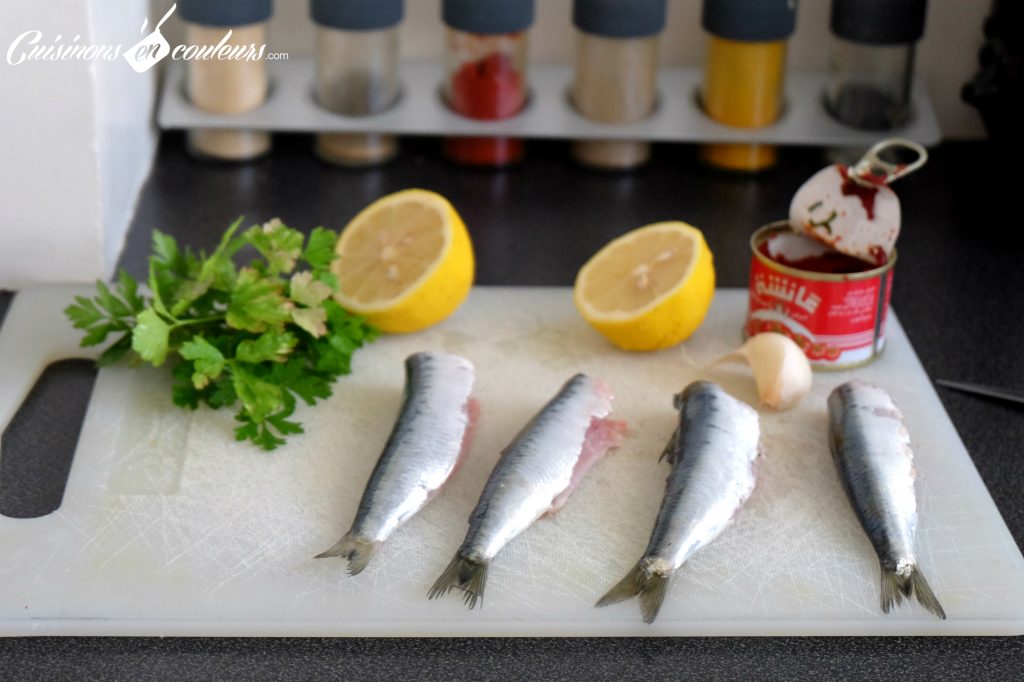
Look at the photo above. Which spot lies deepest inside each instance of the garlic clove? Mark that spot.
(781, 370)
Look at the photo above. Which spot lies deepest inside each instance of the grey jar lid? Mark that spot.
(879, 22)
(488, 17)
(357, 15)
(225, 12)
(619, 18)
(750, 20)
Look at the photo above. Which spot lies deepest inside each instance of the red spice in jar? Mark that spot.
(488, 89)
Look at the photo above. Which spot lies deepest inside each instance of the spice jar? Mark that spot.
(872, 63)
(228, 75)
(616, 74)
(357, 73)
(745, 74)
(485, 62)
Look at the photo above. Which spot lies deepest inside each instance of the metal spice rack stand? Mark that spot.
(291, 107)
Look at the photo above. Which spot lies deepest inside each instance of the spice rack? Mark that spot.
(291, 107)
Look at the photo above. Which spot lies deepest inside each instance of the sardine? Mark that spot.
(712, 453)
(871, 449)
(535, 475)
(432, 434)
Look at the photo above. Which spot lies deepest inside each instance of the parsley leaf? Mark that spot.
(270, 346)
(319, 251)
(307, 291)
(207, 361)
(217, 271)
(151, 337)
(279, 245)
(313, 320)
(260, 398)
(83, 313)
(257, 302)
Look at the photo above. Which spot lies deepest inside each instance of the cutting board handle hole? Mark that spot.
(39, 443)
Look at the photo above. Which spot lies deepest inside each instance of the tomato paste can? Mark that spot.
(837, 319)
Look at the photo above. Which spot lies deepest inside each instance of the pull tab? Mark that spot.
(872, 170)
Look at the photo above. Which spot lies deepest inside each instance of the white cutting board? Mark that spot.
(170, 527)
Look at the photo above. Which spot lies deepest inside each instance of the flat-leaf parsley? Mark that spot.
(264, 335)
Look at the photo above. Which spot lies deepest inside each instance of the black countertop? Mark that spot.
(959, 292)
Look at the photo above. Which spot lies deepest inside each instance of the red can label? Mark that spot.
(837, 323)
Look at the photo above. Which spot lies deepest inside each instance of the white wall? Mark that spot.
(126, 135)
(77, 140)
(947, 55)
(50, 214)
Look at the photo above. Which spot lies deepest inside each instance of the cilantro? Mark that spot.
(260, 337)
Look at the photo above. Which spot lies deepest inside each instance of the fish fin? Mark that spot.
(625, 589)
(648, 586)
(670, 448)
(652, 595)
(356, 550)
(891, 592)
(924, 594)
(463, 573)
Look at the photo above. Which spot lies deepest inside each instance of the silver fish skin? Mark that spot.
(712, 453)
(871, 449)
(534, 475)
(430, 436)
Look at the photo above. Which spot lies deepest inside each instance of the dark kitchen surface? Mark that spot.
(959, 293)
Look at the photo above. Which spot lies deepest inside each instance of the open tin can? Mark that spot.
(838, 319)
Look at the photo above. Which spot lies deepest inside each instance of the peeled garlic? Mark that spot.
(781, 370)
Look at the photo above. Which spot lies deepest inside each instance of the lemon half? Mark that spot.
(648, 289)
(405, 262)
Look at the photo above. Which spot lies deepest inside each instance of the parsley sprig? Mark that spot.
(264, 335)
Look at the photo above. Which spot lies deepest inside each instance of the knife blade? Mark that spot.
(980, 389)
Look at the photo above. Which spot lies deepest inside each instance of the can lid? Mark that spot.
(225, 12)
(488, 17)
(617, 19)
(750, 20)
(357, 15)
(879, 22)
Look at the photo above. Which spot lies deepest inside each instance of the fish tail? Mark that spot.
(892, 590)
(895, 587)
(924, 594)
(641, 582)
(463, 573)
(356, 550)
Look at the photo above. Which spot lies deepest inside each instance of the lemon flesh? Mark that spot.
(405, 262)
(650, 288)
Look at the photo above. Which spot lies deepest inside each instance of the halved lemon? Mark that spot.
(649, 288)
(405, 262)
